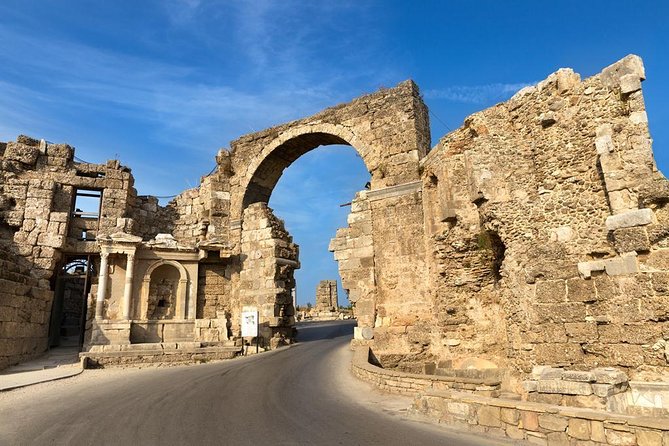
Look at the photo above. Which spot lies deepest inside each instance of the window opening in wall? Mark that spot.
(86, 214)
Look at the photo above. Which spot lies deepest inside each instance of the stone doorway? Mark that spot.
(69, 309)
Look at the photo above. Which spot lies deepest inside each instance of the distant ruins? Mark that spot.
(535, 234)
(327, 300)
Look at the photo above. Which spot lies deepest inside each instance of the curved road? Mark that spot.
(300, 395)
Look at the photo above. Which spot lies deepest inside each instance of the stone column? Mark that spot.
(127, 291)
(102, 285)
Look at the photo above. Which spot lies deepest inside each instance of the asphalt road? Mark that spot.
(300, 395)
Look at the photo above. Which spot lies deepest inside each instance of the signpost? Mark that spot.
(250, 325)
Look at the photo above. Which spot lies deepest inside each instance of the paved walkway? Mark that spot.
(58, 363)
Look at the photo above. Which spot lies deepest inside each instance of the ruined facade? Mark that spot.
(327, 300)
(536, 234)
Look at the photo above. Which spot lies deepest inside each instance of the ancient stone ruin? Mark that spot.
(327, 300)
(534, 235)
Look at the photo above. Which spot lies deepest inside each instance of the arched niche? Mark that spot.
(164, 292)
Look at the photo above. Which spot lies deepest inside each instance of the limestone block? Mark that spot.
(562, 234)
(631, 239)
(597, 432)
(604, 144)
(639, 117)
(459, 409)
(579, 429)
(581, 332)
(630, 83)
(629, 219)
(624, 264)
(609, 375)
(607, 390)
(579, 376)
(515, 433)
(658, 260)
(530, 386)
(553, 422)
(563, 387)
(622, 200)
(547, 372)
(509, 416)
(631, 64)
(620, 438)
(648, 438)
(610, 162)
(585, 269)
(21, 152)
(529, 420)
(489, 416)
(579, 290)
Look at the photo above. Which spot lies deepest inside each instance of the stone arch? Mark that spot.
(267, 167)
(181, 292)
(389, 129)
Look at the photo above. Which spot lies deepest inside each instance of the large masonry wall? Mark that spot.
(546, 229)
(38, 181)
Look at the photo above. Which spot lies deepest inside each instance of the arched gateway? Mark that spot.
(390, 131)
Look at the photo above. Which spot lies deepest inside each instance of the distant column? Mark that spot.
(127, 291)
(102, 285)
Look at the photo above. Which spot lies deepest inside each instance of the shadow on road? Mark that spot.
(316, 331)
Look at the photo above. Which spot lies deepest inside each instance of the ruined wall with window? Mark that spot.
(546, 229)
(40, 185)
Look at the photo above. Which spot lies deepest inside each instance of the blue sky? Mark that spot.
(163, 84)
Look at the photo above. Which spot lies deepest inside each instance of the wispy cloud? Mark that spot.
(476, 94)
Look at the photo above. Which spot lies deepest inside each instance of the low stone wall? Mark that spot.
(542, 424)
(410, 383)
(474, 405)
(157, 354)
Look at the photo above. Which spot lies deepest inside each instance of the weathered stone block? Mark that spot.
(639, 117)
(553, 422)
(560, 353)
(659, 259)
(620, 438)
(564, 387)
(648, 438)
(579, 429)
(629, 219)
(609, 375)
(515, 433)
(551, 291)
(546, 398)
(557, 439)
(630, 65)
(579, 290)
(597, 431)
(509, 416)
(489, 416)
(23, 153)
(630, 83)
(604, 144)
(631, 239)
(625, 264)
(547, 372)
(579, 376)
